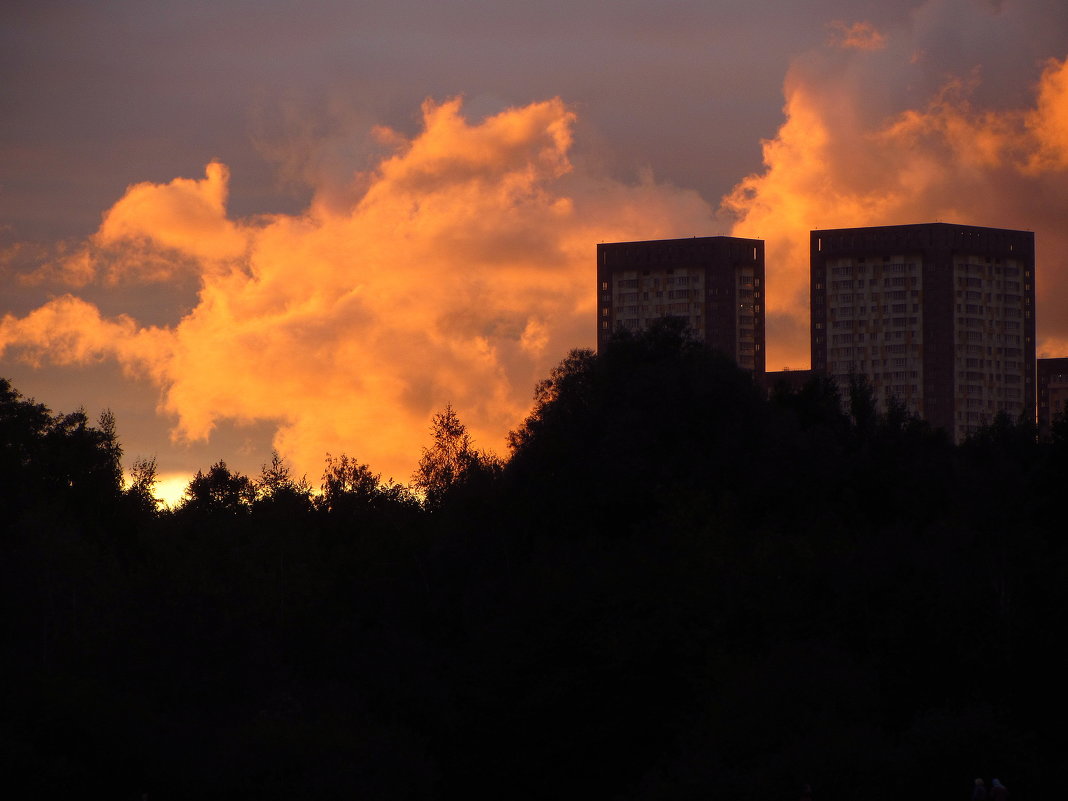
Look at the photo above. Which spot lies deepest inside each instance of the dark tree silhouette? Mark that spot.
(675, 588)
(142, 486)
(451, 461)
(219, 491)
(350, 488)
(277, 491)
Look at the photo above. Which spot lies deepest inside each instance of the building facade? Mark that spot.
(939, 316)
(1052, 391)
(714, 283)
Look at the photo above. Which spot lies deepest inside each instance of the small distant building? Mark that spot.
(788, 380)
(714, 283)
(939, 316)
(1052, 391)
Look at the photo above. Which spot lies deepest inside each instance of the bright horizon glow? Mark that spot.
(170, 488)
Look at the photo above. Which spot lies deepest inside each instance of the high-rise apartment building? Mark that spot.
(1052, 391)
(714, 283)
(939, 316)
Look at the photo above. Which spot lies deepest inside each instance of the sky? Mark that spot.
(310, 226)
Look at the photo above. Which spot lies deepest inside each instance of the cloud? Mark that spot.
(187, 215)
(1048, 122)
(454, 263)
(70, 331)
(54, 263)
(155, 232)
(855, 36)
(457, 272)
(851, 154)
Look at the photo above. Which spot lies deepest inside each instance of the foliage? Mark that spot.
(219, 491)
(451, 461)
(142, 488)
(54, 465)
(349, 489)
(674, 587)
(278, 491)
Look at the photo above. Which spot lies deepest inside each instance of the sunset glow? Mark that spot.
(461, 275)
(445, 400)
(948, 160)
(452, 260)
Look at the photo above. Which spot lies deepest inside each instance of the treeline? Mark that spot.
(674, 587)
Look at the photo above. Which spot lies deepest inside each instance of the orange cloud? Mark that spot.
(460, 273)
(153, 233)
(187, 215)
(1048, 122)
(458, 269)
(69, 331)
(831, 166)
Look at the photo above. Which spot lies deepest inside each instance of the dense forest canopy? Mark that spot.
(672, 587)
